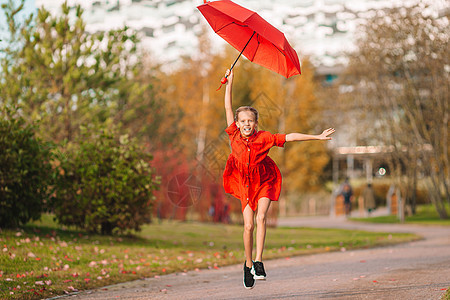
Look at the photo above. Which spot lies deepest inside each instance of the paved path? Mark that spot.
(416, 270)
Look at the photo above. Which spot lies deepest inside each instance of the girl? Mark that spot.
(253, 177)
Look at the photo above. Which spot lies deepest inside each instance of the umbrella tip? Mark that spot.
(205, 1)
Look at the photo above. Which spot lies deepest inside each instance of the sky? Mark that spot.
(29, 7)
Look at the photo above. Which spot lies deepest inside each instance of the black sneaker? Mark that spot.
(249, 281)
(259, 272)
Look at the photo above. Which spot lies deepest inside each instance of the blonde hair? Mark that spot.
(246, 108)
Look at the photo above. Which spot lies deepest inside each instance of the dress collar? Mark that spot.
(250, 138)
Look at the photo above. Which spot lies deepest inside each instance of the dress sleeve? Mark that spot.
(232, 129)
(279, 139)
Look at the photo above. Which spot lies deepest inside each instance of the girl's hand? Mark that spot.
(325, 134)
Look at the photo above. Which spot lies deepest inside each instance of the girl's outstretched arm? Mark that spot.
(291, 137)
(228, 98)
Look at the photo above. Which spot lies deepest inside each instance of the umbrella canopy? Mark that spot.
(253, 36)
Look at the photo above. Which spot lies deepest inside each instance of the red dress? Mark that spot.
(250, 174)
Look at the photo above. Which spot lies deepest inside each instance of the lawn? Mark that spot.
(425, 215)
(41, 260)
(446, 296)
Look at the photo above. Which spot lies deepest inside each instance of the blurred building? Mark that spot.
(321, 29)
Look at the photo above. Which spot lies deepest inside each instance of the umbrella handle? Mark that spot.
(222, 81)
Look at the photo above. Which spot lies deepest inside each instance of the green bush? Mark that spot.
(25, 173)
(104, 185)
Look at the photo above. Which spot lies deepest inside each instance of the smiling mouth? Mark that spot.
(247, 129)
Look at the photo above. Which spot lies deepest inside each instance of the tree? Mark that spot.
(56, 72)
(400, 74)
(285, 105)
(291, 105)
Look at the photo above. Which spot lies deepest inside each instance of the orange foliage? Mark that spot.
(285, 105)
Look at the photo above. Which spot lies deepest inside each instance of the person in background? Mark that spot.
(347, 193)
(369, 198)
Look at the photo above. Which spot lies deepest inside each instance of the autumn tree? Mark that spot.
(400, 76)
(285, 105)
(291, 105)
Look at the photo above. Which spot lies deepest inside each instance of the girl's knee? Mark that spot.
(248, 227)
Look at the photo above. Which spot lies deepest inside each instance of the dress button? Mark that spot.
(247, 185)
(247, 198)
(248, 149)
(248, 164)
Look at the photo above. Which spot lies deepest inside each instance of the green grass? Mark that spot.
(42, 260)
(426, 215)
(446, 296)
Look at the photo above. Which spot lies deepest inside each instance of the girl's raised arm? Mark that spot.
(228, 98)
(291, 137)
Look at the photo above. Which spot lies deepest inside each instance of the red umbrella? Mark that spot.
(253, 36)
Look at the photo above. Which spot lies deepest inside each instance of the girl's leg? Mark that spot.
(248, 234)
(263, 207)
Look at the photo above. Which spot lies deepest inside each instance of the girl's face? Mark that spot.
(246, 123)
